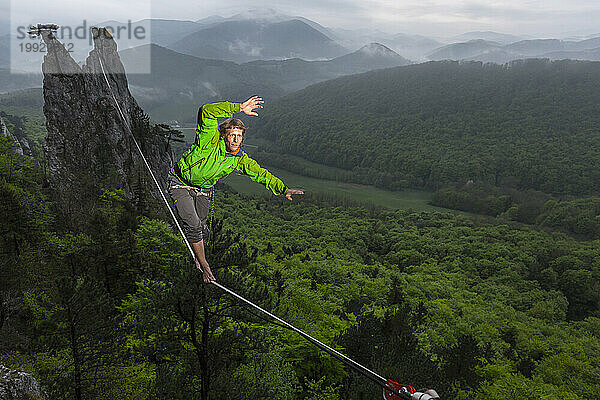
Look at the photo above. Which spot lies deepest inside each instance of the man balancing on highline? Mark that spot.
(215, 154)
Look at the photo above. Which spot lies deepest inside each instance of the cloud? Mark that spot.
(431, 17)
(534, 17)
(211, 89)
(70, 12)
(240, 46)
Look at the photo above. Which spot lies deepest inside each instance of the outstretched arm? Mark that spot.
(259, 174)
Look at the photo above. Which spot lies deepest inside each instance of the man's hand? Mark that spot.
(206, 272)
(290, 192)
(249, 105)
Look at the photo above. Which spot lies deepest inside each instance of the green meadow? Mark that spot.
(406, 199)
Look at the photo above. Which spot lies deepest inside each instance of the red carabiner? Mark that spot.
(387, 395)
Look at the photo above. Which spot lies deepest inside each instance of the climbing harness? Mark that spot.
(198, 191)
(391, 389)
(211, 217)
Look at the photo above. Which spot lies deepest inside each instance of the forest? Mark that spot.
(531, 124)
(514, 141)
(116, 310)
(577, 216)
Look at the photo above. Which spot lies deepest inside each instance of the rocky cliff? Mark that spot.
(16, 385)
(5, 132)
(23, 145)
(89, 147)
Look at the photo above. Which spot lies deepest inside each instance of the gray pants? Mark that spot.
(192, 206)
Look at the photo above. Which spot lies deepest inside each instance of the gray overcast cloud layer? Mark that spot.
(437, 18)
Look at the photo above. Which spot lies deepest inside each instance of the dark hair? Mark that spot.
(230, 124)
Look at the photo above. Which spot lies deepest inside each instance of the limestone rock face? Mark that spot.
(5, 132)
(89, 146)
(16, 385)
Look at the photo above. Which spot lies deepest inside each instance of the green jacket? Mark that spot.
(207, 161)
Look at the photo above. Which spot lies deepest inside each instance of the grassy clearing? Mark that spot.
(406, 199)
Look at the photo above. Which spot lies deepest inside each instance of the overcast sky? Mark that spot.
(439, 18)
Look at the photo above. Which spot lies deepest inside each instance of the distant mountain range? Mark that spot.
(270, 15)
(489, 36)
(251, 35)
(372, 56)
(266, 34)
(179, 82)
(275, 53)
(459, 51)
(164, 32)
(413, 47)
(296, 74)
(248, 40)
(488, 51)
(591, 55)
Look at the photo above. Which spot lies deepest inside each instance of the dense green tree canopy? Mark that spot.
(530, 125)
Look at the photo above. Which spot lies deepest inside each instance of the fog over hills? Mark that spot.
(166, 31)
(490, 36)
(275, 35)
(289, 52)
(592, 43)
(371, 56)
(210, 20)
(486, 51)
(487, 46)
(536, 47)
(590, 55)
(247, 40)
(167, 95)
(459, 51)
(295, 74)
